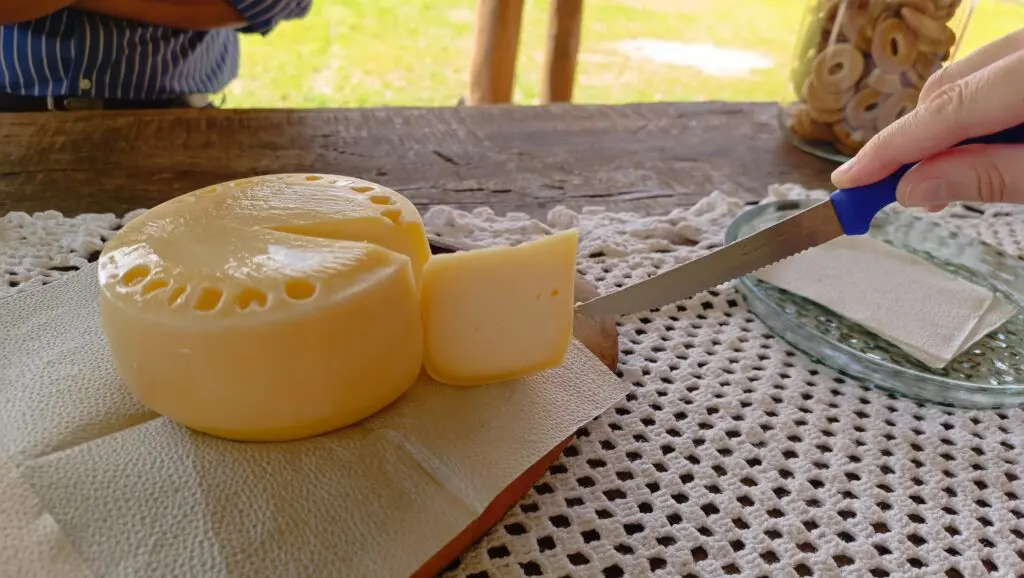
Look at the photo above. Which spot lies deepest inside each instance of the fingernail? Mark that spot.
(926, 193)
(840, 173)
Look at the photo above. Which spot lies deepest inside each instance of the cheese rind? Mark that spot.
(272, 308)
(499, 313)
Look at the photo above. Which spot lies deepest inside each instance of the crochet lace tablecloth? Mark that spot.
(733, 454)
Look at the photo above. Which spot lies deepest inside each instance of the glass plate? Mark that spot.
(988, 375)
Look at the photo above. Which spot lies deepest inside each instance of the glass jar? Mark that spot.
(860, 64)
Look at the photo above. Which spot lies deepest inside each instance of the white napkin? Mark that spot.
(30, 541)
(929, 313)
(136, 495)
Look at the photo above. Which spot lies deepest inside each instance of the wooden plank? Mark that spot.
(648, 158)
(495, 46)
(565, 22)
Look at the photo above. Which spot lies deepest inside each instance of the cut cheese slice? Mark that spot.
(499, 313)
(270, 308)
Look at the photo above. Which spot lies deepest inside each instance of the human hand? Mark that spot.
(15, 11)
(975, 96)
(182, 14)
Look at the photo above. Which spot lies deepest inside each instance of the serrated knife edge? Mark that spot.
(795, 234)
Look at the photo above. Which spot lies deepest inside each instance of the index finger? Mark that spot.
(981, 103)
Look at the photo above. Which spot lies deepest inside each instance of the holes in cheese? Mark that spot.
(177, 295)
(393, 215)
(250, 298)
(135, 275)
(154, 285)
(209, 299)
(299, 289)
(499, 313)
(281, 307)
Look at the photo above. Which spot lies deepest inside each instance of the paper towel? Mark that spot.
(30, 542)
(929, 313)
(137, 495)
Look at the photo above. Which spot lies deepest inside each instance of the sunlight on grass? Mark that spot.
(350, 53)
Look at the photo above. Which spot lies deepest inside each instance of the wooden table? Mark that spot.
(644, 158)
(648, 158)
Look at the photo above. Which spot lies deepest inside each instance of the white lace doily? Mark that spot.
(733, 454)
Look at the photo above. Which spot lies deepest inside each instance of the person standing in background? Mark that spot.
(117, 54)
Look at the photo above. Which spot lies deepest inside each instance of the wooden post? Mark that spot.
(496, 42)
(564, 24)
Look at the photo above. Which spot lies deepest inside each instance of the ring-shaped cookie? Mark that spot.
(923, 6)
(838, 68)
(884, 82)
(932, 46)
(853, 19)
(862, 110)
(826, 116)
(843, 149)
(856, 26)
(895, 107)
(851, 138)
(894, 46)
(923, 25)
(863, 42)
(944, 15)
(821, 99)
(876, 8)
(798, 120)
(926, 65)
(914, 78)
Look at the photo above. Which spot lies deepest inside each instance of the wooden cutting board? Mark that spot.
(598, 334)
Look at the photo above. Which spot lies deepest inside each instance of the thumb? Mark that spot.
(973, 173)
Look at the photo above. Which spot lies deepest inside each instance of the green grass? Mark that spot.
(353, 53)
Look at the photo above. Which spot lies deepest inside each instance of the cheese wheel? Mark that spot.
(267, 309)
(499, 313)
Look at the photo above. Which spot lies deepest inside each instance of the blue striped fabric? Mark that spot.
(76, 53)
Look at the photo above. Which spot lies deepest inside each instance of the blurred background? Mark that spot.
(350, 53)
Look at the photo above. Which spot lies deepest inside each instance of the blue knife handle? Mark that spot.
(856, 207)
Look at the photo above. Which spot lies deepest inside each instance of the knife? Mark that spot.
(845, 212)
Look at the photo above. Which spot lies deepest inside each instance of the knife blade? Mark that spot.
(845, 212)
(804, 230)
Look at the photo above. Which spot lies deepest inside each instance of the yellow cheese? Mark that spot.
(499, 313)
(270, 308)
